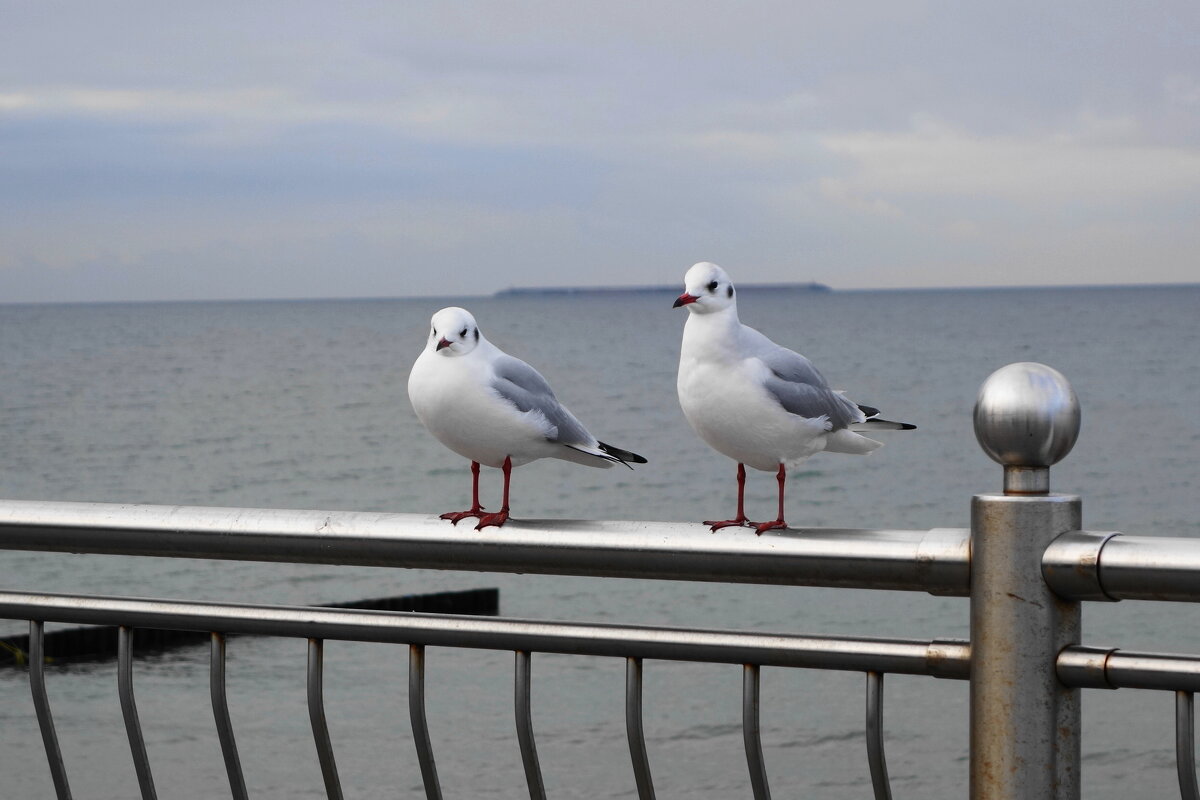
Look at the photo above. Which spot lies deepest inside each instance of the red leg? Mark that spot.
(740, 519)
(473, 511)
(780, 476)
(501, 516)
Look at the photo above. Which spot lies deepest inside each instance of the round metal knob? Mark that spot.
(1026, 418)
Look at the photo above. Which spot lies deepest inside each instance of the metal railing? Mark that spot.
(1024, 564)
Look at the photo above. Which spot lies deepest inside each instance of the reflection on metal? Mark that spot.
(1024, 724)
(751, 734)
(41, 703)
(1084, 565)
(934, 561)
(875, 759)
(1185, 745)
(133, 728)
(316, 715)
(1027, 418)
(1086, 667)
(633, 728)
(420, 727)
(1071, 565)
(524, 715)
(220, 704)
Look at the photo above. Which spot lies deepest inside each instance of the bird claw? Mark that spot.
(762, 527)
(716, 525)
(497, 519)
(456, 517)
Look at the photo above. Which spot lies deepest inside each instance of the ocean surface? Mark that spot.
(303, 405)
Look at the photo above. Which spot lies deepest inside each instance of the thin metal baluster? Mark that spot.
(533, 772)
(633, 727)
(750, 733)
(316, 714)
(220, 704)
(879, 774)
(133, 727)
(416, 712)
(1185, 750)
(37, 685)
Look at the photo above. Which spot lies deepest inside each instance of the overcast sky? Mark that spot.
(153, 150)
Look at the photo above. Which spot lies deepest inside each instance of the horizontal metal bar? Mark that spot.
(1109, 668)
(1085, 565)
(934, 561)
(1078, 665)
(944, 658)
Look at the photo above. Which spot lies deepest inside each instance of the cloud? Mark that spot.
(1035, 172)
(312, 145)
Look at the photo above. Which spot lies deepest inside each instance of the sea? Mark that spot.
(302, 404)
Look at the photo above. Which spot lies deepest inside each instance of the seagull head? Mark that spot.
(707, 288)
(453, 332)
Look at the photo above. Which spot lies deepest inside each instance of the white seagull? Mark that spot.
(754, 401)
(494, 409)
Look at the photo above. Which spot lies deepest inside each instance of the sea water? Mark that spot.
(303, 405)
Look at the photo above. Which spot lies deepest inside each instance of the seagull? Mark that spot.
(758, 403)
(494, 409)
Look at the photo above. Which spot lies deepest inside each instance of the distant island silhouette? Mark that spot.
(666, 289)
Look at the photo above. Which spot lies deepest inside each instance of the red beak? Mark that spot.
(443, 343)
(684, 299)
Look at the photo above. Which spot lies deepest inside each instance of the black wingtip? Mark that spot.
(624, 456)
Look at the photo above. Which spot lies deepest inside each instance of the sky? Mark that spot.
(218, 150)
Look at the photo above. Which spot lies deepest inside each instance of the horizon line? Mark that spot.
(517, 291)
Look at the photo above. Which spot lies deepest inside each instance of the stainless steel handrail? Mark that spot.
(934, 561)
(945, 658)
(1108, 565)
(1079, 666)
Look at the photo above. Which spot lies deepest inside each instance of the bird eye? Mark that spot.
(463, 333)
(712, 286)
(433, 331)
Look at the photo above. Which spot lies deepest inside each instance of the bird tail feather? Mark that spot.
(603, 455)
(881, 425)
(624, 456)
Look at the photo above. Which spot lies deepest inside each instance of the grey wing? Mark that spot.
(797, 385)
(524, 387)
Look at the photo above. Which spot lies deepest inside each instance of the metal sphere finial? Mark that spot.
(1026, 418)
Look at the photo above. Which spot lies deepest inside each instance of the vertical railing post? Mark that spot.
(1024, 722)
